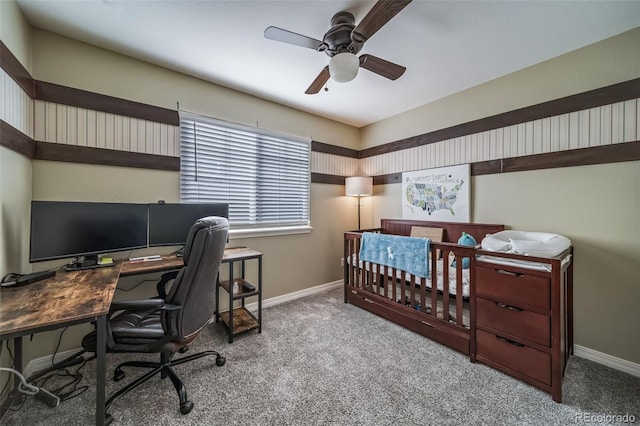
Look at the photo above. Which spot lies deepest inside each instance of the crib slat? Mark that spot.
(459, 296)
(445, 284)
(423, 294)
(434, 287)
(403, 277)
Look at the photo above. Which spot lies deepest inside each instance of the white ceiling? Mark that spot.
(447, 46)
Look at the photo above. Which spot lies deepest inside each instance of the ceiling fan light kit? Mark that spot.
(343, 67)
(342, 43)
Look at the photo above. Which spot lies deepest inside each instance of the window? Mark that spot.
(263, 176)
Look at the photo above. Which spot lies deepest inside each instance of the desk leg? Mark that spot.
(17, 365)
(230, 302)
(101, 368)
(260, 294)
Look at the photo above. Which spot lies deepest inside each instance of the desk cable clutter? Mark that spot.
(31, 390)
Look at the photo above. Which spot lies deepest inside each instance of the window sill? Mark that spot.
(236, 234)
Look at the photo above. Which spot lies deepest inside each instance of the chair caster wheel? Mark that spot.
(183, 349)
(220, 361)
(118, 375)
(108, 419)
(186, 407)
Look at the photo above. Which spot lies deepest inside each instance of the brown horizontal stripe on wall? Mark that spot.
(333, 149)
(81, 98)
(385, 179)
(105, 157)
(330, 179)
(593, 98)
(12, 66)
(486, 167)
(629, 151)
(15, 140)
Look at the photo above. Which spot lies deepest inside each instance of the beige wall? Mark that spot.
(601, 64)
(15, 199)
(15, 32)
(60, 60)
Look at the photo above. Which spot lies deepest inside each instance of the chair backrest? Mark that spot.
(194, 286)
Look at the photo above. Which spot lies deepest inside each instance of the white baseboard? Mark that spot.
(273, 301)
(607, 360)
(44, 362)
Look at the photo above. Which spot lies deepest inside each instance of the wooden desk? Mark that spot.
(82, 296)
(167, 263)
(67, 299)
(172, 262)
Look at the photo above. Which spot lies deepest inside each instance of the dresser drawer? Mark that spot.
(523, 359)
(513, 320)
(500, 283)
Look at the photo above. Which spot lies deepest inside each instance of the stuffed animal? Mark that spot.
(465, 240)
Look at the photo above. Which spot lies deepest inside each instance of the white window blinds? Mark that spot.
(264, 177)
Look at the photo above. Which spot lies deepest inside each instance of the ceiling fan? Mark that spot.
(343, 41)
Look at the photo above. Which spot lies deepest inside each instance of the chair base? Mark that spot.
(164, 367)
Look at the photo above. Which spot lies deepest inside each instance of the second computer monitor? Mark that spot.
(169, 224)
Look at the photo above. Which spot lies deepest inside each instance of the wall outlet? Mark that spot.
(342, 262)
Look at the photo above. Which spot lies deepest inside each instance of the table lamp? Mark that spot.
(358, 186)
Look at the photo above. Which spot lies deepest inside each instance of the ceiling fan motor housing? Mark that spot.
(338, 38)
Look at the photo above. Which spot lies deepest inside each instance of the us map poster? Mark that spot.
(442, 194)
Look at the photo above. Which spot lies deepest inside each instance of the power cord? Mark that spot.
(63, 392)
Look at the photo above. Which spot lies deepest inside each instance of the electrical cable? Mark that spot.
(23, 387)
(61, 391)
(53, 357)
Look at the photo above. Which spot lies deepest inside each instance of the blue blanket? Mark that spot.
(407, 253)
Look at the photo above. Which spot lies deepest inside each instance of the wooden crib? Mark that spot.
(443, 312)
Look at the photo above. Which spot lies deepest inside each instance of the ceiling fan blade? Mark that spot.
(278, 34)
(319, 82)
(380, 14)
(381, 67)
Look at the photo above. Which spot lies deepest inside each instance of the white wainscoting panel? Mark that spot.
(16, 106)
(331, 164)
(604, 125)
(70, 125)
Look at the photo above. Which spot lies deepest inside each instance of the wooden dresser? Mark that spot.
(523, 320)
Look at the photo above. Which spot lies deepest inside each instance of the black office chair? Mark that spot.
(170, 321)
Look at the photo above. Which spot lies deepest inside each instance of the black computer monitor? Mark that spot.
(61, 229)
(169, 224)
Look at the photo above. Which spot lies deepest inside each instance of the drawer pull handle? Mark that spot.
(368, 300)
(511, 342)
(354, 292)
(427, 324)
(513, 274)
(511, 308)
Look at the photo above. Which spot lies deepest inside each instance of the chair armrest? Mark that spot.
(125, 305)
(164, 279)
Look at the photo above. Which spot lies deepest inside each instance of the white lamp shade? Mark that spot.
(358, 186)
(343, 67)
